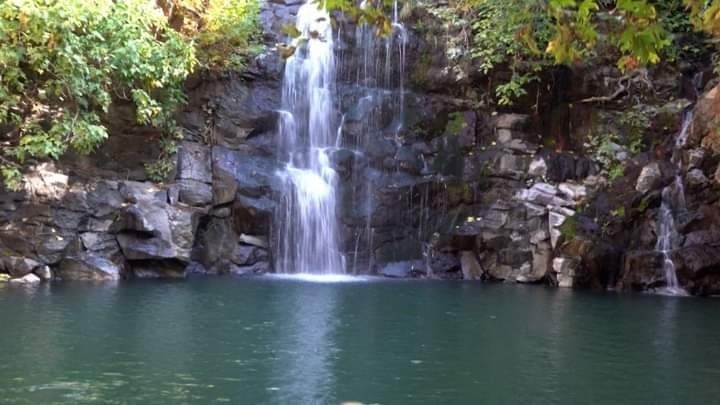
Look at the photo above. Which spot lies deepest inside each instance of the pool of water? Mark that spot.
(278, 340)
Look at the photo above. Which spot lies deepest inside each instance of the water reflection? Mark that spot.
(306, 347)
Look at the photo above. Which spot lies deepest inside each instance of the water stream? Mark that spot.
(673, 202)
(308, 230)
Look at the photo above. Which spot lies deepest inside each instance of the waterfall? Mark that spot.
(307, 228)
(378, 79)
(673, 202)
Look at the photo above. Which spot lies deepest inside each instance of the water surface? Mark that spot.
(285, 341)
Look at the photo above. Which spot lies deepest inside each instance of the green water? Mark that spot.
(277, 341)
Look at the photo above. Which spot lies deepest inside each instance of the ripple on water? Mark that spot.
(324, 278)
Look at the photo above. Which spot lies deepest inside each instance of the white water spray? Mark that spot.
(673, 201)
(307, 226)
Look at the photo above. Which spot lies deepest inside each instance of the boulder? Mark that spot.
(642, 270)
(17, 266)
(704, 131)
(538, 168)
(99, 242)
(471, 269)
(256, 268)
(256, 176)
(696, 178)
(564, 268)
(89, 266)
(244, 255)
(194, 162)
(152, 229)
(44, 273)
(650, 178)
(259, 241)
(26, 279)
(194, 193)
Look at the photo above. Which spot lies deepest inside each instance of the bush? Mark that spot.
(62, 62)
(228, 34)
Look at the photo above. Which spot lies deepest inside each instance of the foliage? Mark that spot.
(228, 33)
(508, 92)
(63, 61)
(373, 13)
(508, 31)
(529, 35)
(634, 122)
(568, 229)
(456, 123)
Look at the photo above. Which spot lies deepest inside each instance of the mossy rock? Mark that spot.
(456, 124)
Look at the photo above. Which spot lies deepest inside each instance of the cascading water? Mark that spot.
(673, 202)
(375, 107)
(307, 229)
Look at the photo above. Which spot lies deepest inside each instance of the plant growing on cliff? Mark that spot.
(62, 62)
(228, 34)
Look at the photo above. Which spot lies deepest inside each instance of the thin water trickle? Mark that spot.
(308, 230)
(673, 202)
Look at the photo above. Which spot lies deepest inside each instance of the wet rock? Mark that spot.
(402, 269)
(44, 273)
(27, 279)
(160, 269)
(555, 220)
(564, 269)
(650, 178)
(259, 241)
(574, 192)
(696, 177)
(194, 193)
(702, 237)
(541, 261)
(214, 244)
(538, 168)
(88, 266)
(695, 157)
(17, 266)
(642, 270)
(462, 125)
(255, 268)
(442, 262)
(256, 176)
(471, 269)
(244, 255)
